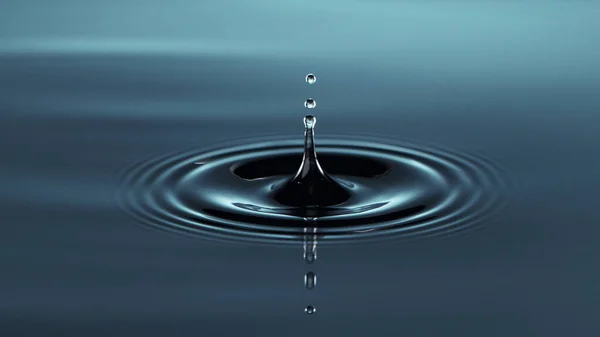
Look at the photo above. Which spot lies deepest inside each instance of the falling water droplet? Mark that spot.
(311, 78)
(310, 121)
(310, 103)
(310, 280)
(310, 309)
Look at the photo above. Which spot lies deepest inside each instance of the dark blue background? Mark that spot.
(88, 88)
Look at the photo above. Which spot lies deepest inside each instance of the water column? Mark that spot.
(310, 232)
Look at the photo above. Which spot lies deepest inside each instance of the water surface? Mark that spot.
(86, 91)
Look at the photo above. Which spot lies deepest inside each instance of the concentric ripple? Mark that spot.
(396, 191)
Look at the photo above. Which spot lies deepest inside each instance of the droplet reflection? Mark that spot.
(310, 245)
(310, 280)
(310, 309)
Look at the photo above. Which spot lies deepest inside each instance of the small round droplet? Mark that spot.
(310, 280)
(310, 309)
(311, 78)
(310, 121)
(310, 103)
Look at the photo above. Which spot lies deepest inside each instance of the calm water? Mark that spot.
(87, 91)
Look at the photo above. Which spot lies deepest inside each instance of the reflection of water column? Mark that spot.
(310, 255)
(310, 244)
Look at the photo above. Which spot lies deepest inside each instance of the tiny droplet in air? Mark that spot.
(310, 103)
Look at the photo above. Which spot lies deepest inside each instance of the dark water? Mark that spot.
(86, 93)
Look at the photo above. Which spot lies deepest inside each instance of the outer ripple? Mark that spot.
(428, 191)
